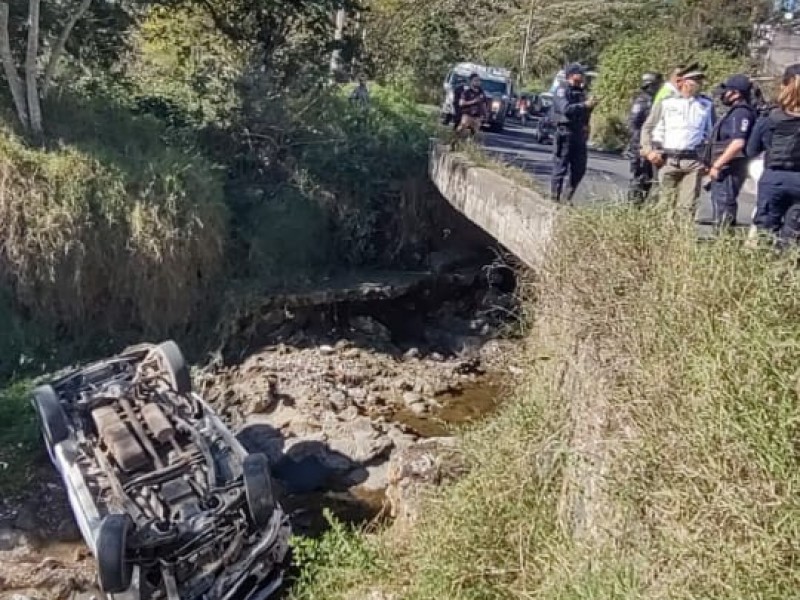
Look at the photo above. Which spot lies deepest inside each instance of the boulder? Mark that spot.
(414, 471)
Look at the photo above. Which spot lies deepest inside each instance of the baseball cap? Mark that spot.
(792, 70)
(740, 83)
(574, 69)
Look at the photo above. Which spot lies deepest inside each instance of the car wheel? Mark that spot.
(175, 365)
(51, 414)
(113, 568)
(258, 489)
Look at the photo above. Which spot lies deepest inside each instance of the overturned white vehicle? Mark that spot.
(170, 503)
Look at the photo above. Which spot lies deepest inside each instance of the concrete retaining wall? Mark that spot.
(517, 217)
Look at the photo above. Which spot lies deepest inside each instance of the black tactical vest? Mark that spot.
(784, 151)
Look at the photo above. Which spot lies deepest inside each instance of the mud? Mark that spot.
(330, 393)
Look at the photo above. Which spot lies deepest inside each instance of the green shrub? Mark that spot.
(20, 447)
(623, 62)
(374, 170)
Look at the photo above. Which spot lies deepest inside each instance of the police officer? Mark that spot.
(571, 112)
(727, 162)
(778, 209)
(672, 139)
(642, 171)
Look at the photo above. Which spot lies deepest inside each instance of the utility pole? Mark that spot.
(526, 44)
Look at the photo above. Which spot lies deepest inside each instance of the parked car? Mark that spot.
(169, 502)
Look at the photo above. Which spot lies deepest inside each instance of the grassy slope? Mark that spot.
(688, 356)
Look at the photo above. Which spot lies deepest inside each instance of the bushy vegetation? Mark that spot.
(108, 227)
(19, 438)
(670, 370)
(623, 62)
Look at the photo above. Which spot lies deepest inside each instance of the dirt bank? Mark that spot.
(329, 393)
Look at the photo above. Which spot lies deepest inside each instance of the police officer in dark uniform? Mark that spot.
(571, 112)
(728, 163)
(642, 171)
(778, 209)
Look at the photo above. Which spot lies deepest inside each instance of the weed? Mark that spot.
(652, 451)
(19, 438)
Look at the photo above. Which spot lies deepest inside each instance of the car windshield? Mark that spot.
(493, 87)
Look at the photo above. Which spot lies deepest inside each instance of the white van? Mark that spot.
(496, 84)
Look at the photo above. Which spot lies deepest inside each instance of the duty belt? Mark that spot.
(681, 154)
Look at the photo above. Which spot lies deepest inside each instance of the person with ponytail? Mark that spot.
(778, 134)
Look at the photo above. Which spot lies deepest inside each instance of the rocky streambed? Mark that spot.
(337, 394)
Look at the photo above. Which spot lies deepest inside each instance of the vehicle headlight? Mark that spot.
(495, 104)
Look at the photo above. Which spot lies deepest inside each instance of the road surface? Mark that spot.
(606, 178)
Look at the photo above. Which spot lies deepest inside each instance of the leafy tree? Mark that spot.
(34, 39)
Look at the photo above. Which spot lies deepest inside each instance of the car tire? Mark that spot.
(113, 569)
(258, 489)
(176, 367)
(51, 415)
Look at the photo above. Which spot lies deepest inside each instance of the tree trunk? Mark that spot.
(10, 69)
(58, 48)
(32, 89)
(336, 55)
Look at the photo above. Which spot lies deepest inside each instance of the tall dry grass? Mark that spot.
(88, 241)
(653, 452)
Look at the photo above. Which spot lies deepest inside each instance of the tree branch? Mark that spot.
(61, 43)
(34, 107)
(10, 68)
(220, 22)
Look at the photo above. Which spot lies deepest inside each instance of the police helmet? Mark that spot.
(651, 80)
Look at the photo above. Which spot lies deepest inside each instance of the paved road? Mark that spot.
(606, 178)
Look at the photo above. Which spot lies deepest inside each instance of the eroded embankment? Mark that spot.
(651, 452)
(332, 385)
